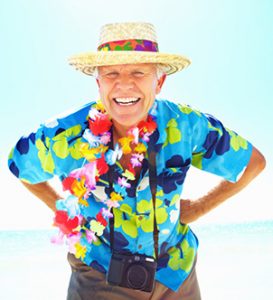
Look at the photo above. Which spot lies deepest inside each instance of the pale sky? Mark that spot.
(229, 43)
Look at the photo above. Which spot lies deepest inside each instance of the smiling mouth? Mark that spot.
(126, 101)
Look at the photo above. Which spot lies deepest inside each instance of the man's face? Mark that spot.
(128, 91)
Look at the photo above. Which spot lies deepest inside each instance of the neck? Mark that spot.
(120, 130)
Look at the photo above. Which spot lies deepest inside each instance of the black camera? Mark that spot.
(134, 271)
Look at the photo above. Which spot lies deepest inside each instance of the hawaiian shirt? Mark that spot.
(184, 137)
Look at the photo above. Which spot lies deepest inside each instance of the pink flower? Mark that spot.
(90, 236)
(72, 240)
(106, 213)
(146, 137)
(111, 203)
(58, 239)
(135, 133)
(123, 182)
(89, 172)
(105, 138)
(136, 160)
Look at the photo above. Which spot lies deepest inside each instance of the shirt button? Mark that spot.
(140, 218)
(139, 246)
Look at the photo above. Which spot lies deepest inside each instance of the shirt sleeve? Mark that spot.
(217, 149)
(31, 159)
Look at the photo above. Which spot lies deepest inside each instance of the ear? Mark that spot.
(98, 82)
(160, 83)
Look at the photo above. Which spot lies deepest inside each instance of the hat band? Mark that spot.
(129, 45)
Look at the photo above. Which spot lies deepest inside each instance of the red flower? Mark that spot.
(100, 125)
(101, 219)
(147, 126)
(65, 224)
(131, 169)
(102, 166)
(67, 184)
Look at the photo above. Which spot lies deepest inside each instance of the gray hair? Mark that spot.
(160, 70)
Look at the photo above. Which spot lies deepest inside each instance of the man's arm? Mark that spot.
(45, 192)
(191, 210)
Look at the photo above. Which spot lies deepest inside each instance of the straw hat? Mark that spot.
(127, 43)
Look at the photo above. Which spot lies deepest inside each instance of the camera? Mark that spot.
(134, 271)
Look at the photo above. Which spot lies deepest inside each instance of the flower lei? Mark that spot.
(78, 232)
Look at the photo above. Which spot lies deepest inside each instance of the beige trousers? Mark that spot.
(87, 283)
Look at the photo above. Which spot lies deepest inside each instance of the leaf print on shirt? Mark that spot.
(23, 144)
(68, 142)
(181, 257)
(161, 212)
(237, 142)
(125, 218)
(186, 109)
(174, 174)
(216, 143)
(173, 133)
(145, 220)
(45, 155)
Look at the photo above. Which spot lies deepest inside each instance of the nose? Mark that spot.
(124, 82)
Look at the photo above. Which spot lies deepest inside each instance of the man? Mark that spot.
(123, 160)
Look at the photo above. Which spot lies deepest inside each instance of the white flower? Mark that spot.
(174, 214)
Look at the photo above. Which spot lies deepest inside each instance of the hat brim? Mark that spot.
(87, 62)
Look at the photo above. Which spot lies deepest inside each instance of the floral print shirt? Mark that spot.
(184, 137)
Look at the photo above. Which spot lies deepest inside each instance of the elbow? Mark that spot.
(261, 161)
(258, 160)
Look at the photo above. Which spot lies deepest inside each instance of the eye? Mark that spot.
(138, 73)
(111, 75)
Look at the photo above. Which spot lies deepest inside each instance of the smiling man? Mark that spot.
(128, 92)
(123, 160)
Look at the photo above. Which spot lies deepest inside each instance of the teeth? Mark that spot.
(126, 100)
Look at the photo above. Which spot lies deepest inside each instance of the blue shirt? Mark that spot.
(184, 137)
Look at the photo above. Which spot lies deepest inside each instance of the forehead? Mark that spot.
(129, 67)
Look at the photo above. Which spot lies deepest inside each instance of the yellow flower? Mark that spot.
(125, 144)
(115, 196)
(99, 106)
(129, 175)
(80, 251)
(79, 190)
(140, 148)
(89, 154)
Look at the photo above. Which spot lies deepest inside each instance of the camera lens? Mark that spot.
(137, 276)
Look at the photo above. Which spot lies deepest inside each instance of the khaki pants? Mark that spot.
(89, 284)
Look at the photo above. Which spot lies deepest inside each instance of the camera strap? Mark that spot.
(153, 186)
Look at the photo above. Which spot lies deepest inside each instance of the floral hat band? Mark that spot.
(128, 43)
